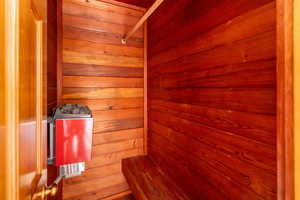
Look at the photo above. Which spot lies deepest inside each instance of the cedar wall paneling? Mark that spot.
(212, 101)
(108, 77)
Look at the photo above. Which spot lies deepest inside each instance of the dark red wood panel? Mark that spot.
(212, 97)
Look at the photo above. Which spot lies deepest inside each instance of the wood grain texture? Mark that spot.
(108, 49)
(110, 7)
(117, 114)
(107, 14)
(286, 48)
(201, 17)
(212, 97)
(142, 20)
(26, 97)
(114, 136)
(147, 181)
(296, 73)
(116, 125)
(105, 159)
(101, 82)
(99, 37)
(52, 71)
(241, 123)
(98, 26)
(100, 72)
(101, 93)
(3, 104)
(109, 104)
(144, 3)
(146, 88)
(99, 59)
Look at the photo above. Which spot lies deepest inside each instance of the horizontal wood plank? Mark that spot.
(114, 136)
(217, 183)
(117, 146)
(147, 181)
(105, 49)
(108, 7)
(102, 82)
(202, 16)
(83, 9)
(247, 150)
(98, 59)
(74, 33)
(108, 104)
(104, 93)
(105, 115)
(98, 26)
(112, 158)
(116, 125)
(254, 100)
(255, 126)
(252, 74)
(73, 190)
(74, 69)
(251, 23)
(238, 52)
(257, 178)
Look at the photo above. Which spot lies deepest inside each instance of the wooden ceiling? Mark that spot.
(141, 3)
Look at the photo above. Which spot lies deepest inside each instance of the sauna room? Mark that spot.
(183, 98)
(158, 100)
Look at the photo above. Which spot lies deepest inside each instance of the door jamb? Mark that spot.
(285, 100)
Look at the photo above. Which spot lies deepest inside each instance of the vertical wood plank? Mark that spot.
(59, 50)
(297, 96)
(285, 118)
(145, 88)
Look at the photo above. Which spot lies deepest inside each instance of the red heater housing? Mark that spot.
(70, 139)
(73, 140)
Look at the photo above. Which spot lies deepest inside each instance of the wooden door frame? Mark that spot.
(285, 101)
(12, 20)
(11, 97)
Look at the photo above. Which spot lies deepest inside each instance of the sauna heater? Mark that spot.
(70, 139)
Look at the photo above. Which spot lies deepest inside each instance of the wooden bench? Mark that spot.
(148, 182)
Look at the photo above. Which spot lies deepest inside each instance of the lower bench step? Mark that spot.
(148, 182)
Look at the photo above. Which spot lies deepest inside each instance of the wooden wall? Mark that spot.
(107, 76)
(212, 96)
